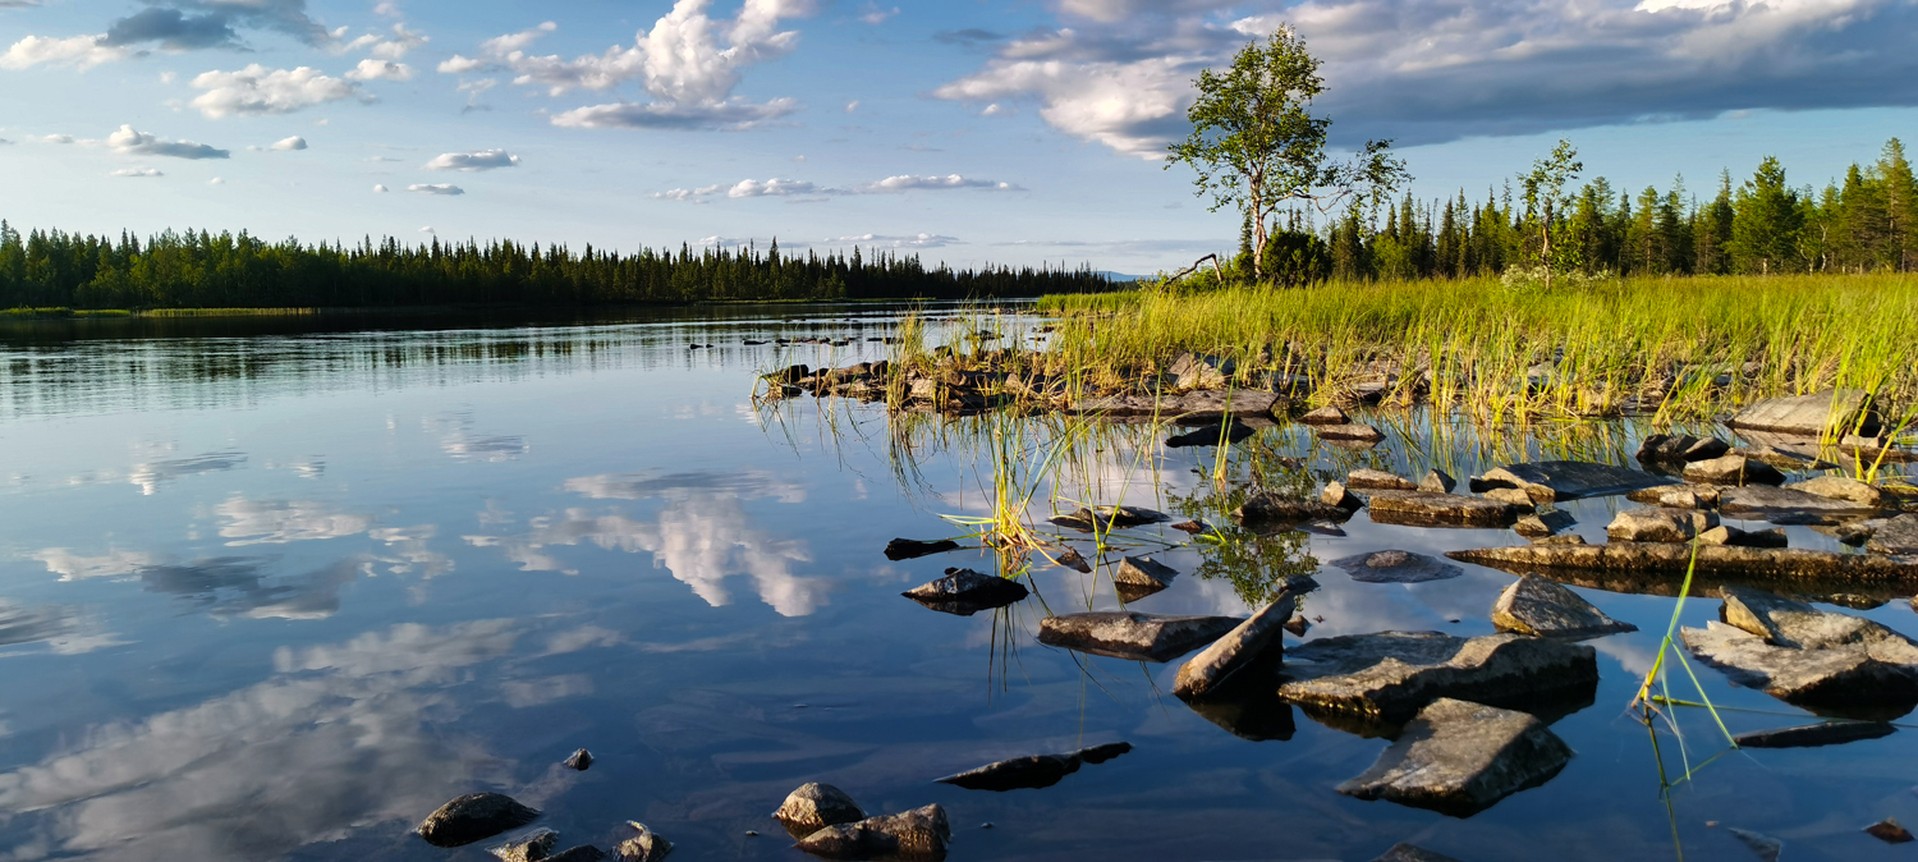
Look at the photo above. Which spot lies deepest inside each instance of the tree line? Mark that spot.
(201, 269)
(1866, 223)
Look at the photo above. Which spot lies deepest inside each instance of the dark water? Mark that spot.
(279, 595)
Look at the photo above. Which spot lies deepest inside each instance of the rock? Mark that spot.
(1407, 852)
(1193, 526)
(1132, 635)
(1034, 770)
(1726, 534)
(1210, 435)
(964, 592)
(1511, 497)
(1327, 415)
(1895, 536)
(1461, 758)
(1072, 559)
(1108, 517)
(1677, 496)
(1566, 539)
(1810, 657)
(1792, 623)
(1787, 506)
(1194, 372)
(1733, 470)
(469, 818)
(1659, 525)
(1888, 831)
(1810, 735)
(1546, 481)
(921, 833)
(1379, 480)
(1336, 496)
(1543, 607)
(1252, 642)
(1790, 456)
(1396, 567)
(647, 846)
(1766, 847)
(1268, 508)
(1544, 524)
(813, 806)
(1680, 448)
(1389, 676)
(1437, 481)
(579, 760)
(791, 375)
(1215, 405)
(1350, 431)
(1842, 488)
(582, 853)
(1811, 415)
(906, 549)
(1426, 509)
(1672, 559)
(531, 847)
(1138, 577)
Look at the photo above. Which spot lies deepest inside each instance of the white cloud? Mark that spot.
(481, 160)
(216, 181)
(778, 187)
(852, 106)
(259, 90)
(371, 69)
(907, 182)
(56, 139)
(394, 46)
(136, 172)
(290, 143)
(917, 240)
(82, 52)
(728, 116)
(128, 140)
(872, 14)
(436, 189)
(774, 187)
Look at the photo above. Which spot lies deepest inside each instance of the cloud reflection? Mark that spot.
(150, 476)
(251, 522)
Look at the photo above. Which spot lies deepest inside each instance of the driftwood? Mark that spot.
(1195, 266)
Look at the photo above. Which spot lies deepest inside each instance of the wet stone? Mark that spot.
(582, 853)
(531, 847)
(814, 806)
(1842, 488)
(906, 549)
(1138, 577)
(1810, 657)
(1396, 567)
(1544, 524)
(1426, 509)
(1659, 525)
(1726, 534)
(1460, 757)
(1511, 497)
(580, 760)
(1547, 481)
(1108, 517)
(475, 816)
(1794, 456)
(1349, 431)
(1337, 496)
(1378, 480)
(1765, 847)
(1543, 607)
(1133, 635)
(921, 833)
(1810, 735)
(647, 846)
(1210, 435)
(1267, 508)
(1679, 448)
(964, 592)
(1895, 536)
(1733, 470)
(1388, 677)
(1438, 482)
(1889, 831)
(1671, 559)
(1072, 559)
(1250, 643)
(1789, 506)
(1810, 415)
(1407, 852)
(1325, 416)
(1193, 527)
(1677, 496)
(1033, 771)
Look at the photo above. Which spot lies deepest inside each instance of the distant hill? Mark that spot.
(1118, 277)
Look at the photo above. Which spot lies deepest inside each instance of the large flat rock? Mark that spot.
(1789, 506)
(1461, 758)
(1810, 415)
(1133, 635)
(1396, 567)
(1426, 509)
(1546, 481)
(1718, 561)
(1810, 656)
(1389, 676)
(1542, 607)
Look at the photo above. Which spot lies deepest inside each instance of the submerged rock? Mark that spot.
(1389, 676)
(475, 816)
(531, 847)
(1132, 635)
(579, 760)
(1811, 657)
(1248, 644)
(921, 833)
(964, 592)
(1138, 577)
(1379, 480)
(1888, 831)
(1810, 735)
(1461, 758)
(1350, 431)
(1543, 607)
(906, 549)
(1108, 517)
(1733, 470)
(1680, 448)
(1396, 567)
(1767, 848)
(1033, 770)
(1426, 509)
(1267, 508)
(1789, 506)
(814, 806)
(1719, 561)
(647, 846)
(1210, 435)
(1548, 481)
(1811, 415)
(1659, 525)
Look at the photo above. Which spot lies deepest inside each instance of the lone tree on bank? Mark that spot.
(1256, 145)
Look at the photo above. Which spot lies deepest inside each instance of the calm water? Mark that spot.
(279, 595)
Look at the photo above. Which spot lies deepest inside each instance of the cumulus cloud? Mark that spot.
(874, 240)
(778, 187)
(482, 160)
(395, 45)
(1118, 73)
(136, 172)
(131, 141)
(875, 15)
(80, 52)
(259, 90)
(688, 63)
(436, 189)
(371, 69)
(907, 182)
(288, 144)
(184, 25)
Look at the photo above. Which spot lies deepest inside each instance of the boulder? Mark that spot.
(475, 816)
(1659, 525)
(1336, 496)
(1811, 735)
(1542, 524)
(1842, 488)
(1190, 371)
(814, 806)
(1086, 520)
(1678, 496)
(1788, 506)
(1138, 577)
(1269, 508)
(921, 833)
(647, 846)
(1132, 635)
(1216, 405)
(580, 760)
(1033, 770)
(1460, 758)
(1814, 415)
(1437, 481)
(1888, 831)
(906, 549)
(1386, 678)
(1680, 448)
(1733, 470)
(1792, 623)
(1210, 435)
(1327, 415)
(1252, 642)
(1355, 431)
(1379, 480)
(531, 847)
(1542, 607)
(1193, 527)
(964, 592)
(1509, 496)
(1895, 535)
(1546, 481)
(1426, 509)
(1670, 560)
(1810, 657)
(1396, 567)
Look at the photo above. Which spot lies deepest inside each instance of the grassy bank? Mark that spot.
(1685, 348)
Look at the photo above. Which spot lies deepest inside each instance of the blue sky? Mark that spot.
(967, 131)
